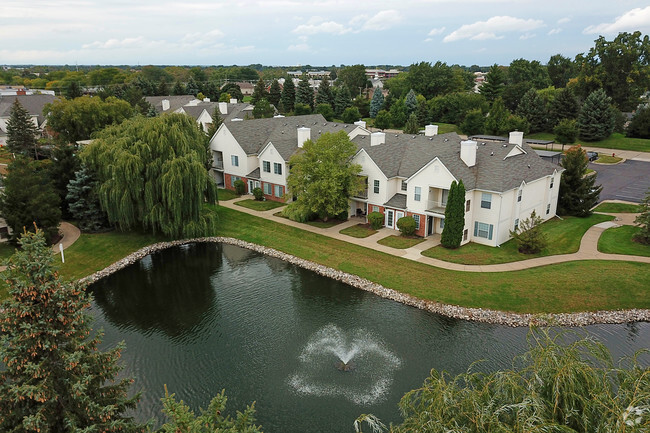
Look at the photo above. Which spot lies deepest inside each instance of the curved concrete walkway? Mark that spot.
(588, 245)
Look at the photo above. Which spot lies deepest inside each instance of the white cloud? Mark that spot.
(331, 27)
(298, 47)
(635, 19)
(554, 31)
(493, 28)
(428, 40)
(199, 39)
(383, 20)
(563, 20)
(438, 31)
(112, 44)
(527, 36)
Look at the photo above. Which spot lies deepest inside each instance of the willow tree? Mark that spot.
(152, 174)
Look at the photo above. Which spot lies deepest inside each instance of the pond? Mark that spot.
(313, 353)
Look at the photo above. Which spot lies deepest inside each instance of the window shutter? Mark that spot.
(475, 228)
(490, 234)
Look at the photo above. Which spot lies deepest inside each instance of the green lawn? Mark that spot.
(359, 231)
(608, 159)
(567, 287)
(618, 240)
(444, 128)
(399, 242)
(615, 141)
(563, 238)
(6, 250)
(226, 194)
(324, 224)
(260, 205)
(617, 208)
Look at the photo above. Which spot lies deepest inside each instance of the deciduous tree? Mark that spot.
(351, 115)
(640, 124)
(578, 193)
(354, 78)
(383, 120)
(566, 132)
(411, 125)
(153, 174)
(643, 221)
(55, 378)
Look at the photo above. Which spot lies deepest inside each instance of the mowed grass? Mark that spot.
(608, 159)
(618, 240)
(226, 194)
(399, 242)
(615, 141)
(567, 287)
(563, 236)
(259, 205)
(359, 231)
(617, 208)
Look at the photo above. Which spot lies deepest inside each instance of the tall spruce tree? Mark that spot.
(494, 84)
(83, 201)
(452, 234)
(377, 102)
(275, 93)
(304, 92)
(578, 193)
(342, 100)
(596, 118)
(259, 92)
(55, 379)
(21, 132)
(497, 119)
(532, 108)
(411, 102)
(324, 95)
(643, 221)
(565, 105)
(178, 89)
(288, 98)
(411, 126)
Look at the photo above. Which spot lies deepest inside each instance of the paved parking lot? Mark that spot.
(628, 181)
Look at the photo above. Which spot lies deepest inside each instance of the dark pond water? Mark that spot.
(204, 317)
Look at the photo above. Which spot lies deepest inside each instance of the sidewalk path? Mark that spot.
(588, 245)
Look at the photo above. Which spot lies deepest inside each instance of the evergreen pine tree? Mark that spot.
(211, 90)
(83, 201)
(383, 120)
(596, 119)
(288, 95)
(64, 162)
(216, 122)
(565, 105)
(377, 102)
(342, 100)
(192, 88)
(411, 102)
(55, 378)
(163, 88)
(529, 235)
(73, 90)
(532, 108)
(452, 234)
(423, 111)
(259, 92)
(304, 92)
(324, 95)
(643, 221)
(178, 89)
(494, 84)
(21, 131)
(262, 109)
(411, 126)
(275, 93)
(578, 193)
(496, 122)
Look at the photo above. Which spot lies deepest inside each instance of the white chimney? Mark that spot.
(206, 99)
(468, 152)
(223, 107)
(361, 123)
(377, 138)
(304, 134)
(516, 137)
(430, 130)
(233, 100)
(165, 104)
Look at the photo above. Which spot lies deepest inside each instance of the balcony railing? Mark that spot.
(218, 165)
(436, 206)
(362, 194)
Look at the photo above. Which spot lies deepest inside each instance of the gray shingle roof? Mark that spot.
(255, 174)
(32, 103)
(398, 201)
(175, 102)
(403, 155)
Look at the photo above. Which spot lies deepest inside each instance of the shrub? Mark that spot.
(376, 220)
(529, 236)
(298, 213)
(301, 109)
(351, 115)
(258, 194)
(343, 216)
(406, 225)
(326, 110)
(240, 187)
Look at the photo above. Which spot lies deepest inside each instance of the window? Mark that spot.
(465, 233)
(234, 179)
(552, 179)
(519, 195)
(467, 204)
(389, 218)
(486, 200)
(266, 166)
(445, 195)
(268, 188)
(417, 221)
(375, 208)
(548, 208)
(403, 185)
(442, 223)
(278, 191)
(516, 224)
(418, 193)
(277, 168)
(483, 230)
(376, 187)
(234, 160)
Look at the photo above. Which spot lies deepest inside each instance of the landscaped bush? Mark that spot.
(258, 194)
(529, 236)
(240, 187)
(298, 213)
(376, 220)
(406, 225)
(343, 216)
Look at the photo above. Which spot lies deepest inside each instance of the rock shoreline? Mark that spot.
(453, 311)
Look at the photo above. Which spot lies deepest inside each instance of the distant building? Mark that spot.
(381, 73)
(34, 105)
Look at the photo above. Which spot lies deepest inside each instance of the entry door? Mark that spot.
(398, 215)
(252, 184)
(429, 225)
(390, 218)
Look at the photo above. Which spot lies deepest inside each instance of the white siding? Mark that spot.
(434, 175)
(370, 169)
(271, 154)
(224, 142)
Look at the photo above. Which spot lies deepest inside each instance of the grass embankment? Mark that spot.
(563, 238)
(259, 205)
(615, 141)
(617, 208)
(359, 231)
(618, 240)
(567, 287)
(399, 242)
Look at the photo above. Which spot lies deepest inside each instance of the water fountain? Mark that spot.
(356, 351)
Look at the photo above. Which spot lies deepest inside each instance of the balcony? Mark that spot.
(217, 165)
(436, 206)
(362, 194)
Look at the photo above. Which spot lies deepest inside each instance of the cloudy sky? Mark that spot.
(300, 32)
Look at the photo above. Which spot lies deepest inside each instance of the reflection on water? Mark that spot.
(205, 317)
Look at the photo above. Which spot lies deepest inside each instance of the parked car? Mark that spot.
(592, 156)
